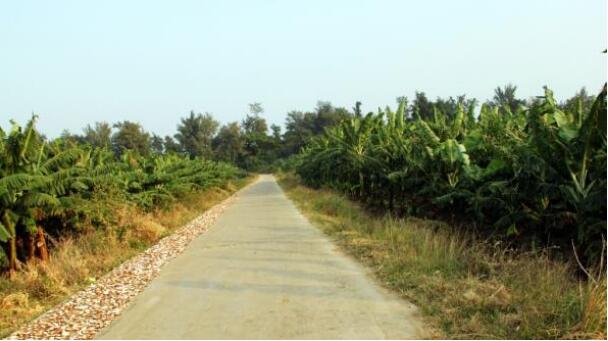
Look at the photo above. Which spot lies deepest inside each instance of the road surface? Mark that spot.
(263, 271)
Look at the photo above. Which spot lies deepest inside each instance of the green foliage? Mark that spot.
(467, 288)
(302, 126)
(228, 144)
(195, 134)
(130, 136)
(51, 185)
(98, 135)
(505, 100)
(536, 172)
(256, 144)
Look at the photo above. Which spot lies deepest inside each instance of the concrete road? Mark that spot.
(264, 272)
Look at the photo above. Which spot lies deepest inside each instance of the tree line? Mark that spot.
(432, 155)
(250, 144)
(253, 145)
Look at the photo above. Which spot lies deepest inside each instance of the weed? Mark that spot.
(466, 288)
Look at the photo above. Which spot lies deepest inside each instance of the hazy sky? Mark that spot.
(76, 62)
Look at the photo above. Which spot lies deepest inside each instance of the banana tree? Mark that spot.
(19, 149)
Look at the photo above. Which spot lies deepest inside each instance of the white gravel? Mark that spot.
(93, 308)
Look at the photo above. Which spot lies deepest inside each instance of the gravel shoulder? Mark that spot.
(263, 272)
(87, 312)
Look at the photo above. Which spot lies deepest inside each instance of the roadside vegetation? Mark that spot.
(466, 287)
(55, 188)
(79, 259)
(492, 222)
(530, 174)
(71, 212)
(520, 186)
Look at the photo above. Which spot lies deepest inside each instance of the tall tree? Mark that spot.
(276, 133)
(328, 116)
(228, 143)
(449, 106)
(421, 106)
(132, 136)
(157, 144)
(70, 139)
(256, 108)
(99, 135)
(256, 140)
(170, 146)
(253, 122)
(195, 134)
(299, 128)
(505, 98)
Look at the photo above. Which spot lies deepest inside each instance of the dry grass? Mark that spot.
(79, 260)
(465, 288)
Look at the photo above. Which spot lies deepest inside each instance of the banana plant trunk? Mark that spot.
(361, 184)
(13, 263)
(43, 251)
(31, 246)
(391, 198)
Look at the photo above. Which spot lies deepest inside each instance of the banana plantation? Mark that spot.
(531, 172)
(49, 188)
(534, 173)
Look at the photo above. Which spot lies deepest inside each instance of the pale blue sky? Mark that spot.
(76, 62)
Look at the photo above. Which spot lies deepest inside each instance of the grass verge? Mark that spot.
(80, 259)
(466, 288)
